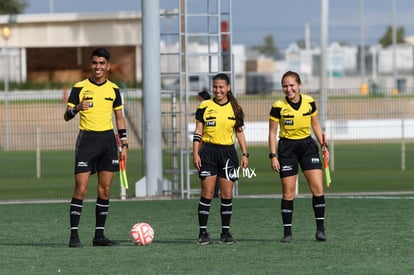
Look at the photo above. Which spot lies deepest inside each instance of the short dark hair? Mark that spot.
(204, 95)
(101, 52)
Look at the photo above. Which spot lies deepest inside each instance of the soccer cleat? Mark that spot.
(286, 239)
(320, 236)
(227, 238)
(203, 238)
(74, 241)
(102, 241)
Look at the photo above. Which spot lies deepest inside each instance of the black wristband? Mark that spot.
(196, 137)
(246, 155)
(71, 113)
(122, 134)
(272, 155)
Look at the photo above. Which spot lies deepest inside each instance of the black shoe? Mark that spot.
(286, 239)
(320, 236)
(102, 241)
(203, 238)
(74, 241)
(227, 238)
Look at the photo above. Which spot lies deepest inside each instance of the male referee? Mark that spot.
(95, 99)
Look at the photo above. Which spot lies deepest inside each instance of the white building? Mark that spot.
(404, 59)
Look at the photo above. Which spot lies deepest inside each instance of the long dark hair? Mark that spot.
(237, 109)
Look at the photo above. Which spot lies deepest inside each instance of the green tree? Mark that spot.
(386, 39)
(12, 6)
(268, 48)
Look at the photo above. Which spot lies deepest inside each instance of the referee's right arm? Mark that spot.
(73, 106)
(70, 113)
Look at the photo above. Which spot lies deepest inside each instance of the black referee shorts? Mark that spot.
(291, 153)
(96, 151)
(220, 160)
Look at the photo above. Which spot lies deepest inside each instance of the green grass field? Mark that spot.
(357, 168)
(366, 235)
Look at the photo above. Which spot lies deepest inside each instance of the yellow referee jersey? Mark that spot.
(103, 100)
(218, 121)
(294, 119)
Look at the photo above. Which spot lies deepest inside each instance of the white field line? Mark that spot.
(403, 195)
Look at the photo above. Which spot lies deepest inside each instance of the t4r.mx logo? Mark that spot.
(233, 173)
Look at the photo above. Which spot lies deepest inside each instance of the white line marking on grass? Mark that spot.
(396, 197)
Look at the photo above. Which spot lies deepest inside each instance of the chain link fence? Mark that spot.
(37, 145)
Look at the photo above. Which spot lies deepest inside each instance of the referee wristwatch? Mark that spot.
(124, 145)
(246, 155)
(272, 155)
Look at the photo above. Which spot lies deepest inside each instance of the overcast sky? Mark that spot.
(284, 19)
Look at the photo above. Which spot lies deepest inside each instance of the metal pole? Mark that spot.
(152, 95)
(6, 102)
(394, 44)
(362, 30)
(403, 147)
(174, 141)
(324, 49)
(51, 6)
(38, 152)
(6, 35)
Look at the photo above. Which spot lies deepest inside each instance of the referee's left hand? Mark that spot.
(244, 161)
(197, 162)
(325, 153)
(123, 154)
(275, 164)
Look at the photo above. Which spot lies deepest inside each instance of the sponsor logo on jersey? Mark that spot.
(288, 122)
(210, 123)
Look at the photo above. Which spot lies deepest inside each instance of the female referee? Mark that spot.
(217, 120)
(296, 113)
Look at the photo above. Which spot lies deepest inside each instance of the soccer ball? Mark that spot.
(142, 234)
